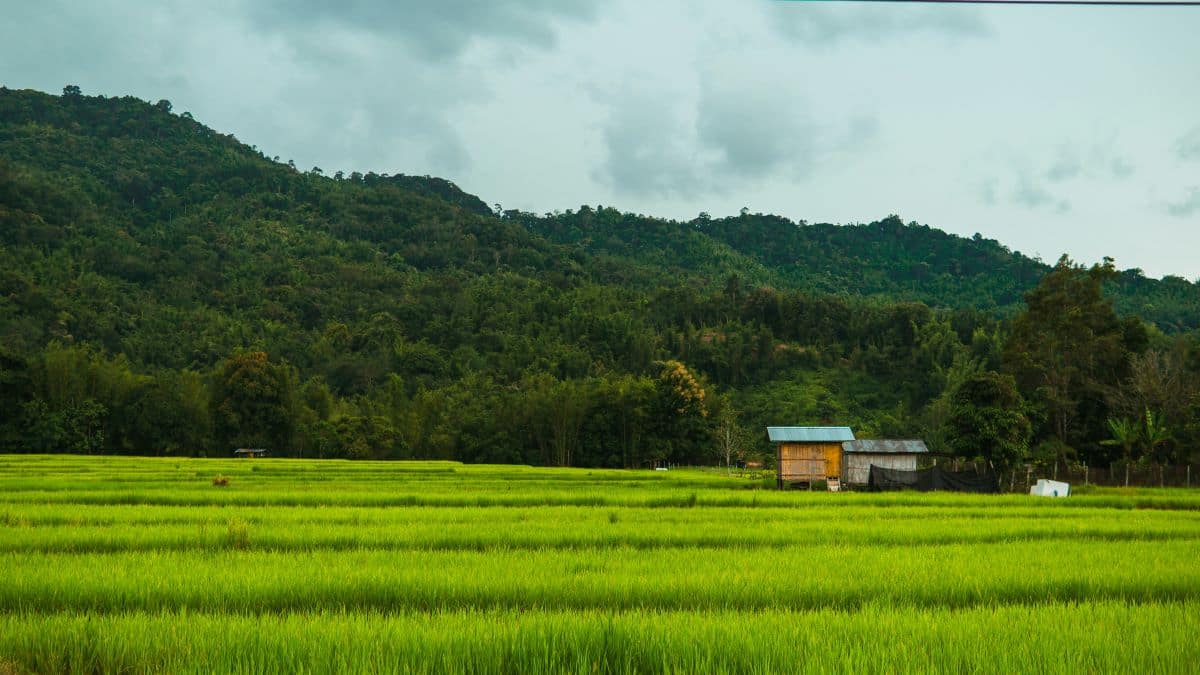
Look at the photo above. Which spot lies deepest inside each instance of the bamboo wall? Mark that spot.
(806, 462)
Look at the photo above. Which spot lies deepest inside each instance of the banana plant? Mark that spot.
(1154, 433)
(1125, 434)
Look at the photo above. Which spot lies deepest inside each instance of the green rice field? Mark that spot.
(143, 565)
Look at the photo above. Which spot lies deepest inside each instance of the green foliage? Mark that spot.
(1154, 433)
(363, 438)
(144, 256)
(1125, 435)
(987, 419)
(251, 403)
(1069, 348)
(76, 428)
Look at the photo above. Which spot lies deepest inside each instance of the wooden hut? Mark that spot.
(249, 453)
(858, 456)
(807, 454)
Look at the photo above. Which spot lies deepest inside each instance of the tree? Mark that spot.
(363, 438)
(79, 428)
(1159, 380)
(72, 91)
(1068, 349)
(730, 436)
(680, 415)
(252, 402)
(988, 420)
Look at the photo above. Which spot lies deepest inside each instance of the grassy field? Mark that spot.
(144, 565)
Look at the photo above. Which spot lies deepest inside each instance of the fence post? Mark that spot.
(1086, 473)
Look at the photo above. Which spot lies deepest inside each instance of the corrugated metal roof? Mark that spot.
(809, 434)
(885, 447)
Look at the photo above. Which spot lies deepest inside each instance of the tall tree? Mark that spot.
(1068, 349)
(730, 435)
(988, 420)
(252, 403)
(681, 415)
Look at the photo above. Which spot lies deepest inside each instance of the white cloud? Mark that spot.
(816, 111)
(1187, 146)
(1186, 207)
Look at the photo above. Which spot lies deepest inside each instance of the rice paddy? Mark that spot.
(144, 565)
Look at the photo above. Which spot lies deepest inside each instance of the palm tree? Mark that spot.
(1125, 433)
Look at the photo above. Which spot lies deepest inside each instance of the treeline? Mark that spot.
(1066, 379)
(83, 402)
(165, 289)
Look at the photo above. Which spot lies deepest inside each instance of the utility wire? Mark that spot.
(1119, 3)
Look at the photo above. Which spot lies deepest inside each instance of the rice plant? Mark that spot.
(119, 564)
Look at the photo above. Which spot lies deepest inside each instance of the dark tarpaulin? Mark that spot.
(933, 478)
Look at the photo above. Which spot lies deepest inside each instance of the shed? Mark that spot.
(249, 453)
(858, 456)
(807, 454)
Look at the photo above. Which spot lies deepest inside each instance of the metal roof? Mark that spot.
(885, 447)
(809, 434)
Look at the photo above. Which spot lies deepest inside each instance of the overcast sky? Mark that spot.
(1051, 129)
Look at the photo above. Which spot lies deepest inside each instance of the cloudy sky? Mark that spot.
(1051, 129)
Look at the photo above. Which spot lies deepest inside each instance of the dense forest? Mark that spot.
(167, 289)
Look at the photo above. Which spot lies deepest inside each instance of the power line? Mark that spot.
(1116, 3)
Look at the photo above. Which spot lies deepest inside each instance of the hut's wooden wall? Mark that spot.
(802, 462)
(858, 464)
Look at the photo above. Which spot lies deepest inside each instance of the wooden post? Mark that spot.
(1086, 473)
(778, 466)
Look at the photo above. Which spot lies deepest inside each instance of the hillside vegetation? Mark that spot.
(165, 288)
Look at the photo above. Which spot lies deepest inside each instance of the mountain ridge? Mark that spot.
(156, 256)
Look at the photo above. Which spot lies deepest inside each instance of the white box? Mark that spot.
(1050, 488)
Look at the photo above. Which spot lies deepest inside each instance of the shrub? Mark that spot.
(220, 481)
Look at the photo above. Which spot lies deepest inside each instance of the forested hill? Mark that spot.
(158, 279)
(887, 259)
(124, 161)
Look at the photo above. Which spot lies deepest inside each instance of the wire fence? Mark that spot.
(1116, 474)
